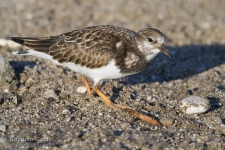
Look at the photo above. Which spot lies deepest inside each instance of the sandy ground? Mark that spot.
(40, 107)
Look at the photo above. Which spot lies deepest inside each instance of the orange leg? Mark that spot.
(84, 78)
(127, 109)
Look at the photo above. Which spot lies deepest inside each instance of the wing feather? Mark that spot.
(92, 47)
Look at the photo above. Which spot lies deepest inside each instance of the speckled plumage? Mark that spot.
(100, 52)
(94, 47)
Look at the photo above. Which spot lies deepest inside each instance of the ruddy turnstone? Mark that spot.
(100, 52)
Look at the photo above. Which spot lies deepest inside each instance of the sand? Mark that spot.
(40, 107)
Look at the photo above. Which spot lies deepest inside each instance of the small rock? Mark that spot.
(22, 89)
(65, 111)
(2, 140)
(167, 121)
(3, 127)
(170, 84)
(33, 90)
(43, 103)
(15, 100)
(6, 90)
(3, 64)
(149, 98)
(50, 94)
(81, 89)
(6, 72)
(1, 115)
(194, 105)
(68, 119)
(29, 82)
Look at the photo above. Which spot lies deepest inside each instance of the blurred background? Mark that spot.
(183, 22)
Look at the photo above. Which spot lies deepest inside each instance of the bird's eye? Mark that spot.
(150, 40)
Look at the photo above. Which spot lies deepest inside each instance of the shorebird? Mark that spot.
(100, 52)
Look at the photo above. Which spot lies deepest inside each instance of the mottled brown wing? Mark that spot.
(92, 47)
(89, 47)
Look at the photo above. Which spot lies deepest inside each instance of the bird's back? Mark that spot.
(92, 47)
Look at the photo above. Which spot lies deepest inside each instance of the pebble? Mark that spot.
(6, 90)
(167, 121)
(50, 94)
(81, 89)
(3, 127)
(3, 64)
(2, 140)
(149, 98)
(65, 111)
(22, 89)
(33, 89)
(194, 105)
(15, 100)
(6, 71)
(68, 119)
(29, 82)
(170, 84)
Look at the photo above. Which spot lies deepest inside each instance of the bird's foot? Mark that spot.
(127, 109)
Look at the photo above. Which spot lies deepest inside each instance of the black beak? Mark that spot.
(165, 51)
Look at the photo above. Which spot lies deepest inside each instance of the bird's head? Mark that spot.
(150, 43)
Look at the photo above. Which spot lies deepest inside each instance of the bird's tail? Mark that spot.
(36, 44)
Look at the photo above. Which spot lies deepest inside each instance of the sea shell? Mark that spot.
(194, 105)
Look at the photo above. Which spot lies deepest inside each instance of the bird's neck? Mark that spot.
(151, 55)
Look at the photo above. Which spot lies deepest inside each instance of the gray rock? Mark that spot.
(15, 100)
(22, 89)
(68, 119)
(6, 71)
(167, 121)
(3, 127)
(65, 111)
(50, 93)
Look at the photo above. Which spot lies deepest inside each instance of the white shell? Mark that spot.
(194, 105)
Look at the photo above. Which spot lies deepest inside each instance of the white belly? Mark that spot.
(107, 72)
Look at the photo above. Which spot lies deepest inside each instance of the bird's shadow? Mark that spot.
(188, 61)
(19, 66)
(215, 103)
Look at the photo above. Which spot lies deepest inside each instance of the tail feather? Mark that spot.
(17, 40)
(38, 44)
